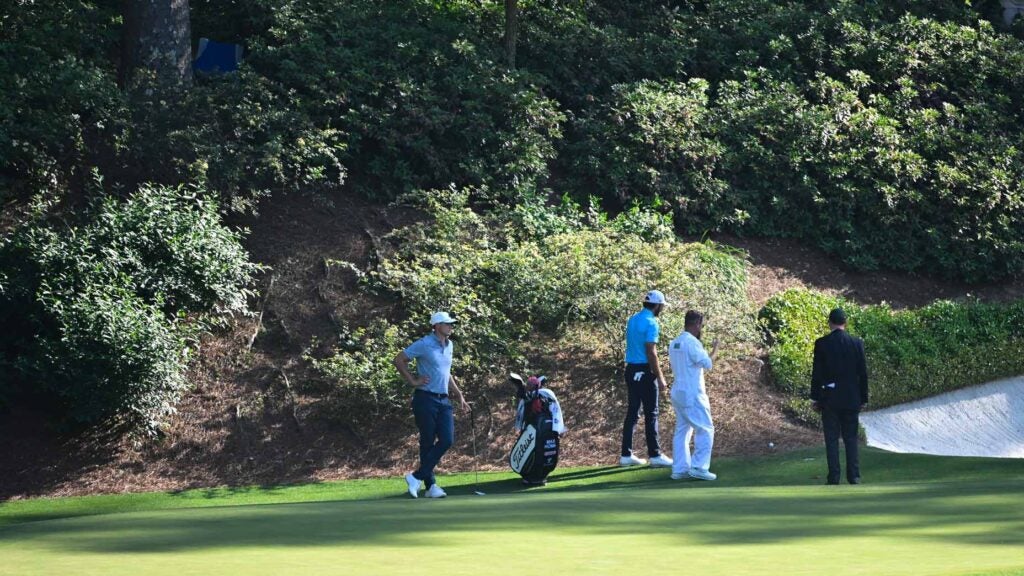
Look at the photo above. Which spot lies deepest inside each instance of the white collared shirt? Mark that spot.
(689, 361)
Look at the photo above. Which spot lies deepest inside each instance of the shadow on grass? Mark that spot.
(770, 499)
(981, 514)
(798, 468)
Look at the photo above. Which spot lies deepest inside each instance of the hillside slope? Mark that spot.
(255, 415)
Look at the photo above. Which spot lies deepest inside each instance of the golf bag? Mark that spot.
(539, 420)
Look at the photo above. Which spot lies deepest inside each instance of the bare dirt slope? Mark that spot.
(256, 415)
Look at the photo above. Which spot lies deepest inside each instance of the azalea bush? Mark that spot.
(580, 276)
(99, 315)
(911, 354)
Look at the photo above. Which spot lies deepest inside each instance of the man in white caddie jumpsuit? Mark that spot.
(690, 400)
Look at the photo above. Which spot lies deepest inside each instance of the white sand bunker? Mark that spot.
(985, 420)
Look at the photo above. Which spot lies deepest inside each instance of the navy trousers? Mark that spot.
(643, 393)
(437, 432)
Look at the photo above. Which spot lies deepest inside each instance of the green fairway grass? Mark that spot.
(913, 515)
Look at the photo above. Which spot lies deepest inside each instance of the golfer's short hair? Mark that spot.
(692, 318)
(837, 317)
(651, 305)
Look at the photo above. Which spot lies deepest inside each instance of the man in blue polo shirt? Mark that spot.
(644, 381)
(430, 404)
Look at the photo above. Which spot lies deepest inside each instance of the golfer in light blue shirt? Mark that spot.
(430, 404)
(643, 380)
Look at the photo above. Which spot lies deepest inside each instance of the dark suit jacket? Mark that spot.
(839, 379)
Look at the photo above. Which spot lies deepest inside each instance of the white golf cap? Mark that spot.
(655, 297)
(441, 318)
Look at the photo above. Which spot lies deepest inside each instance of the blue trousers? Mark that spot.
(643, 392)
(437, 432)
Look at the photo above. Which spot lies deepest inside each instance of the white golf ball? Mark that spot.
(771, 444)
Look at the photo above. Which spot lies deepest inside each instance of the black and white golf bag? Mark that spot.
(539, 420)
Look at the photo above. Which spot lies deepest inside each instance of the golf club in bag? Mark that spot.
(539, 420)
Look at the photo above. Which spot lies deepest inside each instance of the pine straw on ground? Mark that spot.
(253, 417)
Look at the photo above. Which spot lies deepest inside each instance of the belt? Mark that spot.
(642, 365)
(432, 394)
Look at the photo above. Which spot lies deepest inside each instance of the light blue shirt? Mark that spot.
(641, 329)
(433, 361)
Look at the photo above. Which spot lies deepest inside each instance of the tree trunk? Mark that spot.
(156, 43)
(511, 31)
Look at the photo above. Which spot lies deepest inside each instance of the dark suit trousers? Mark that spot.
(841, 423)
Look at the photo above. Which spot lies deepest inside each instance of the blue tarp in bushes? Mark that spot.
(216, 57)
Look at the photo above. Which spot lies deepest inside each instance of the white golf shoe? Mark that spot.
(414, 484)
(631, 460)
(701, 474)
(436, 492)
(680, 476)
(661, 461)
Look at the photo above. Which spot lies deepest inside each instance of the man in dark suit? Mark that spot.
(839, 390)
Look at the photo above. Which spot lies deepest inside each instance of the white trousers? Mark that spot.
(693, 420)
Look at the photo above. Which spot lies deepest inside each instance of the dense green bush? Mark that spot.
(885, 164)
(580, 278)
(650, 140)
(171, 245)
(59, 109)
(241, 136)
(97, 315)
(885, 133)
(579, 50)
(388, 97)
(912, 354)
(424, 102)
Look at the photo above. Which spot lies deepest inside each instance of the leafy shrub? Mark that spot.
(885, 133)
(422, 101)
(100, 312)
(580, 50)
(650, 141)
(240, 136)
(367, 383)
(580, 280)
(172, 246)
(885, 169)
(911, 354)
(60, 110)
(114, 359)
